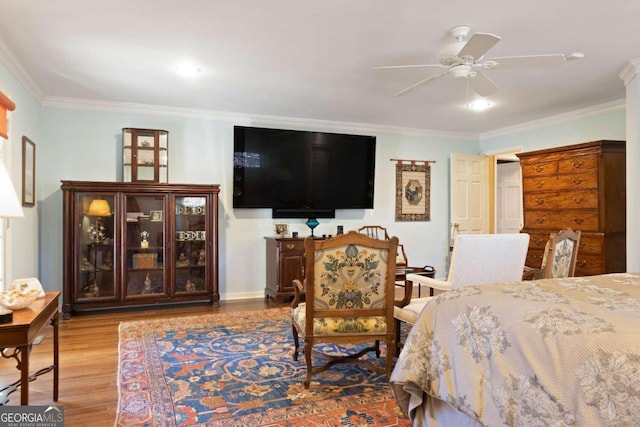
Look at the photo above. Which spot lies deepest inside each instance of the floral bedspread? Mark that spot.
(552, 352)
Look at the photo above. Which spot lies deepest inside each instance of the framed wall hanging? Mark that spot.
(413, 190)
(28, 172)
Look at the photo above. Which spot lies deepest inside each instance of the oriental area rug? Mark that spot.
(236, 369)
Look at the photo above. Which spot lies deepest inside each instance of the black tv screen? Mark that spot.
(302, 174)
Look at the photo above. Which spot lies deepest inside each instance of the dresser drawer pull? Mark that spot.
(578, 200)
(577, 164)
(581, 263)
(539, 201)
(290, 245)
(577, 181)
(537, 241)
(539, 168)
(578, 220)
(540, 184)
(540, 220)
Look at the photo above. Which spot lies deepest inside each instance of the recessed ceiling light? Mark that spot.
(479, 105)
(188, 69)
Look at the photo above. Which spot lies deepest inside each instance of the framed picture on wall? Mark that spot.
(28, 172)
(413, 192)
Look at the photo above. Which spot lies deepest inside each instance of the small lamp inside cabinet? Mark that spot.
(144, 155)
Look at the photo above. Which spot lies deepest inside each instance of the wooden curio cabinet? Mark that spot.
(129, 244)
(144, 155)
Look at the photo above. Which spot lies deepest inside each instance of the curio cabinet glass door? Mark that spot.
(96, 241)
(145, 247)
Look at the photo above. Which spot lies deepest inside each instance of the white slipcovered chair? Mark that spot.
(476, 259)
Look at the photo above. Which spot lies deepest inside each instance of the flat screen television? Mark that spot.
(301, 174)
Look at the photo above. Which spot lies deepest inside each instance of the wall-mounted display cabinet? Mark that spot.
(145, 155)
(131, 244)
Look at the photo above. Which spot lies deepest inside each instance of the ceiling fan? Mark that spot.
(465, 59)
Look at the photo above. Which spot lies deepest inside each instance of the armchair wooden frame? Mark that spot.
(375, 232)
(366, 318)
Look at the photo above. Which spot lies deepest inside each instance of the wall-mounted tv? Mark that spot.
(301, 174)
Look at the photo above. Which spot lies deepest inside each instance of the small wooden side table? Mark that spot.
(20, 334)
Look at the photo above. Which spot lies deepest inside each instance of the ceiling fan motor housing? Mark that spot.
(448, 55)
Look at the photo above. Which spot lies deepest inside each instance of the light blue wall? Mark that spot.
(23, 254)
(608, 124)
(86, 145)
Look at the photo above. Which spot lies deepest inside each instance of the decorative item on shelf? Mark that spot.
(91, 290)
(189, 286)
(312, 223)
(144, 239)
(107, 264)
(340, 230)
(144, 261)
(147, 285)
(95, 289)
(281, 230)
(182, 261)
(156, 216)
(85, 264)
(202, 259)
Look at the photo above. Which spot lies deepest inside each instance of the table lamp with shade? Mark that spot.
(98, 208)
(9, 208)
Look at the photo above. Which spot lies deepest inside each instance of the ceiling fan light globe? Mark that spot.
(461, 71)
(479, 105)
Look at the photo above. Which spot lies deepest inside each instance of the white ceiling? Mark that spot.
(312, 59)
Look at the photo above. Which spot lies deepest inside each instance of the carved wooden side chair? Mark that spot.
(348, 295)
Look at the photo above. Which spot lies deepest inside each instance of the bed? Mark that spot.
(552, 352)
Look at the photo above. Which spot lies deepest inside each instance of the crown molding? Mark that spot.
(629, 70)
(9, 60)
(555, 120)
(246, 119)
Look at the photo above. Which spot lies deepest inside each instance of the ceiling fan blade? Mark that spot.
(421, 83)
(482, 84)
(478, 45)
(391, 67)
(527, 61)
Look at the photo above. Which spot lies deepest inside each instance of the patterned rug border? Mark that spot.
(134, 332)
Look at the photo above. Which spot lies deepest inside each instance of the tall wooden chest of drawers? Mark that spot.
(581, 186)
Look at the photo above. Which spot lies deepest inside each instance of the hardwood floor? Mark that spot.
(89, 360)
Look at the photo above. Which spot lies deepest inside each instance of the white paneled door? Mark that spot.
(508, 197)
(469, 193)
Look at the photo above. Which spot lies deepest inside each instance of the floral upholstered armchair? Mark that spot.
(560, 256)
(349, 298)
